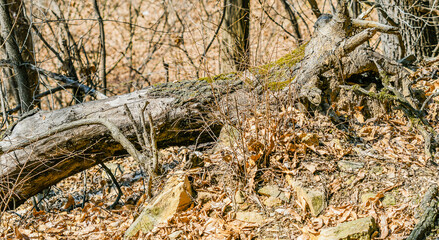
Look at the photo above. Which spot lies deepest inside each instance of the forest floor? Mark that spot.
(362, 167)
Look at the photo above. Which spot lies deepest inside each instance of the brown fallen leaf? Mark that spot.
(20, 235)
(36, 213)
(384, 227)
(70, 202)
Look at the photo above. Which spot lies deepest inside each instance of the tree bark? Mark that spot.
(418, 31)
(13, 52)
(24, 40)
(235, 41)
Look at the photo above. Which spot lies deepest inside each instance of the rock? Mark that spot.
(227, 137)
(377, 170)
(360, 229)
(252, 217)
(239, 197)
(270, 191)
(315, 199)
(365, 197)
(275, 196)
(175, 197)
(273, 191)
(204, 197)
(311, 139)
(388, 200)
(272, 202)
(348, 166)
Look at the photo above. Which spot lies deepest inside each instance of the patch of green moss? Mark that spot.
(155, 211)
(292, 58)
(222, 76)
(385, 95)
(277, 86)
(288, 60)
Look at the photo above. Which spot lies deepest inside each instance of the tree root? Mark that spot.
(429, 206)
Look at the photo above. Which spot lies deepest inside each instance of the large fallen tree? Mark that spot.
(45, 147)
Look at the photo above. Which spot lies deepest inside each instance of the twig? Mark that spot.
(215, 34)
(114, 180)
(278, 24)
(315, 8)
(130, 116)
(144, 134)
(84, 197)
(37, 32)
(61, 78)
(293, 20)
(43, 94)
(435, 94)
(378, 26)
(153, 142)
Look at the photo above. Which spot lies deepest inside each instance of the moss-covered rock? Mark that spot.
(360, 229)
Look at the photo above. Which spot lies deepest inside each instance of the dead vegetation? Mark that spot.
(329, 137)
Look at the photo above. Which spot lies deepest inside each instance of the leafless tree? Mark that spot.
(418, 24)
(235, 38)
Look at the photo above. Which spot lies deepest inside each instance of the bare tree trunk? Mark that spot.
(315, 8)
(418, 34)
(102, 67)
(13, 52)
(24, 39)
(235, 38)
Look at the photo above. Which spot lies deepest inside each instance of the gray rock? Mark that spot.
(272, 202)
(252, 217)
(389, 200)
(175, 197)
(365, 197)
(348, 166)
(227, 138)
(316, 199)
(270, 191)
(360, 229)
(239, 197)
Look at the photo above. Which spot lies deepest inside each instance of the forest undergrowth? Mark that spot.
(366, 167)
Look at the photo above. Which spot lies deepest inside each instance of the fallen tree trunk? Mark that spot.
(33, 160)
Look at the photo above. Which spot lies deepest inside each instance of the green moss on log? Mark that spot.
(277, 75)
(287, 61)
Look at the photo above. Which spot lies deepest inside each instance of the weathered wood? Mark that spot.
(33, 158)
(429, 207)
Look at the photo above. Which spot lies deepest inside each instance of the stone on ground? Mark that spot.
(251, 217)
(315, 198)
(360, 229)
(175, 197)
